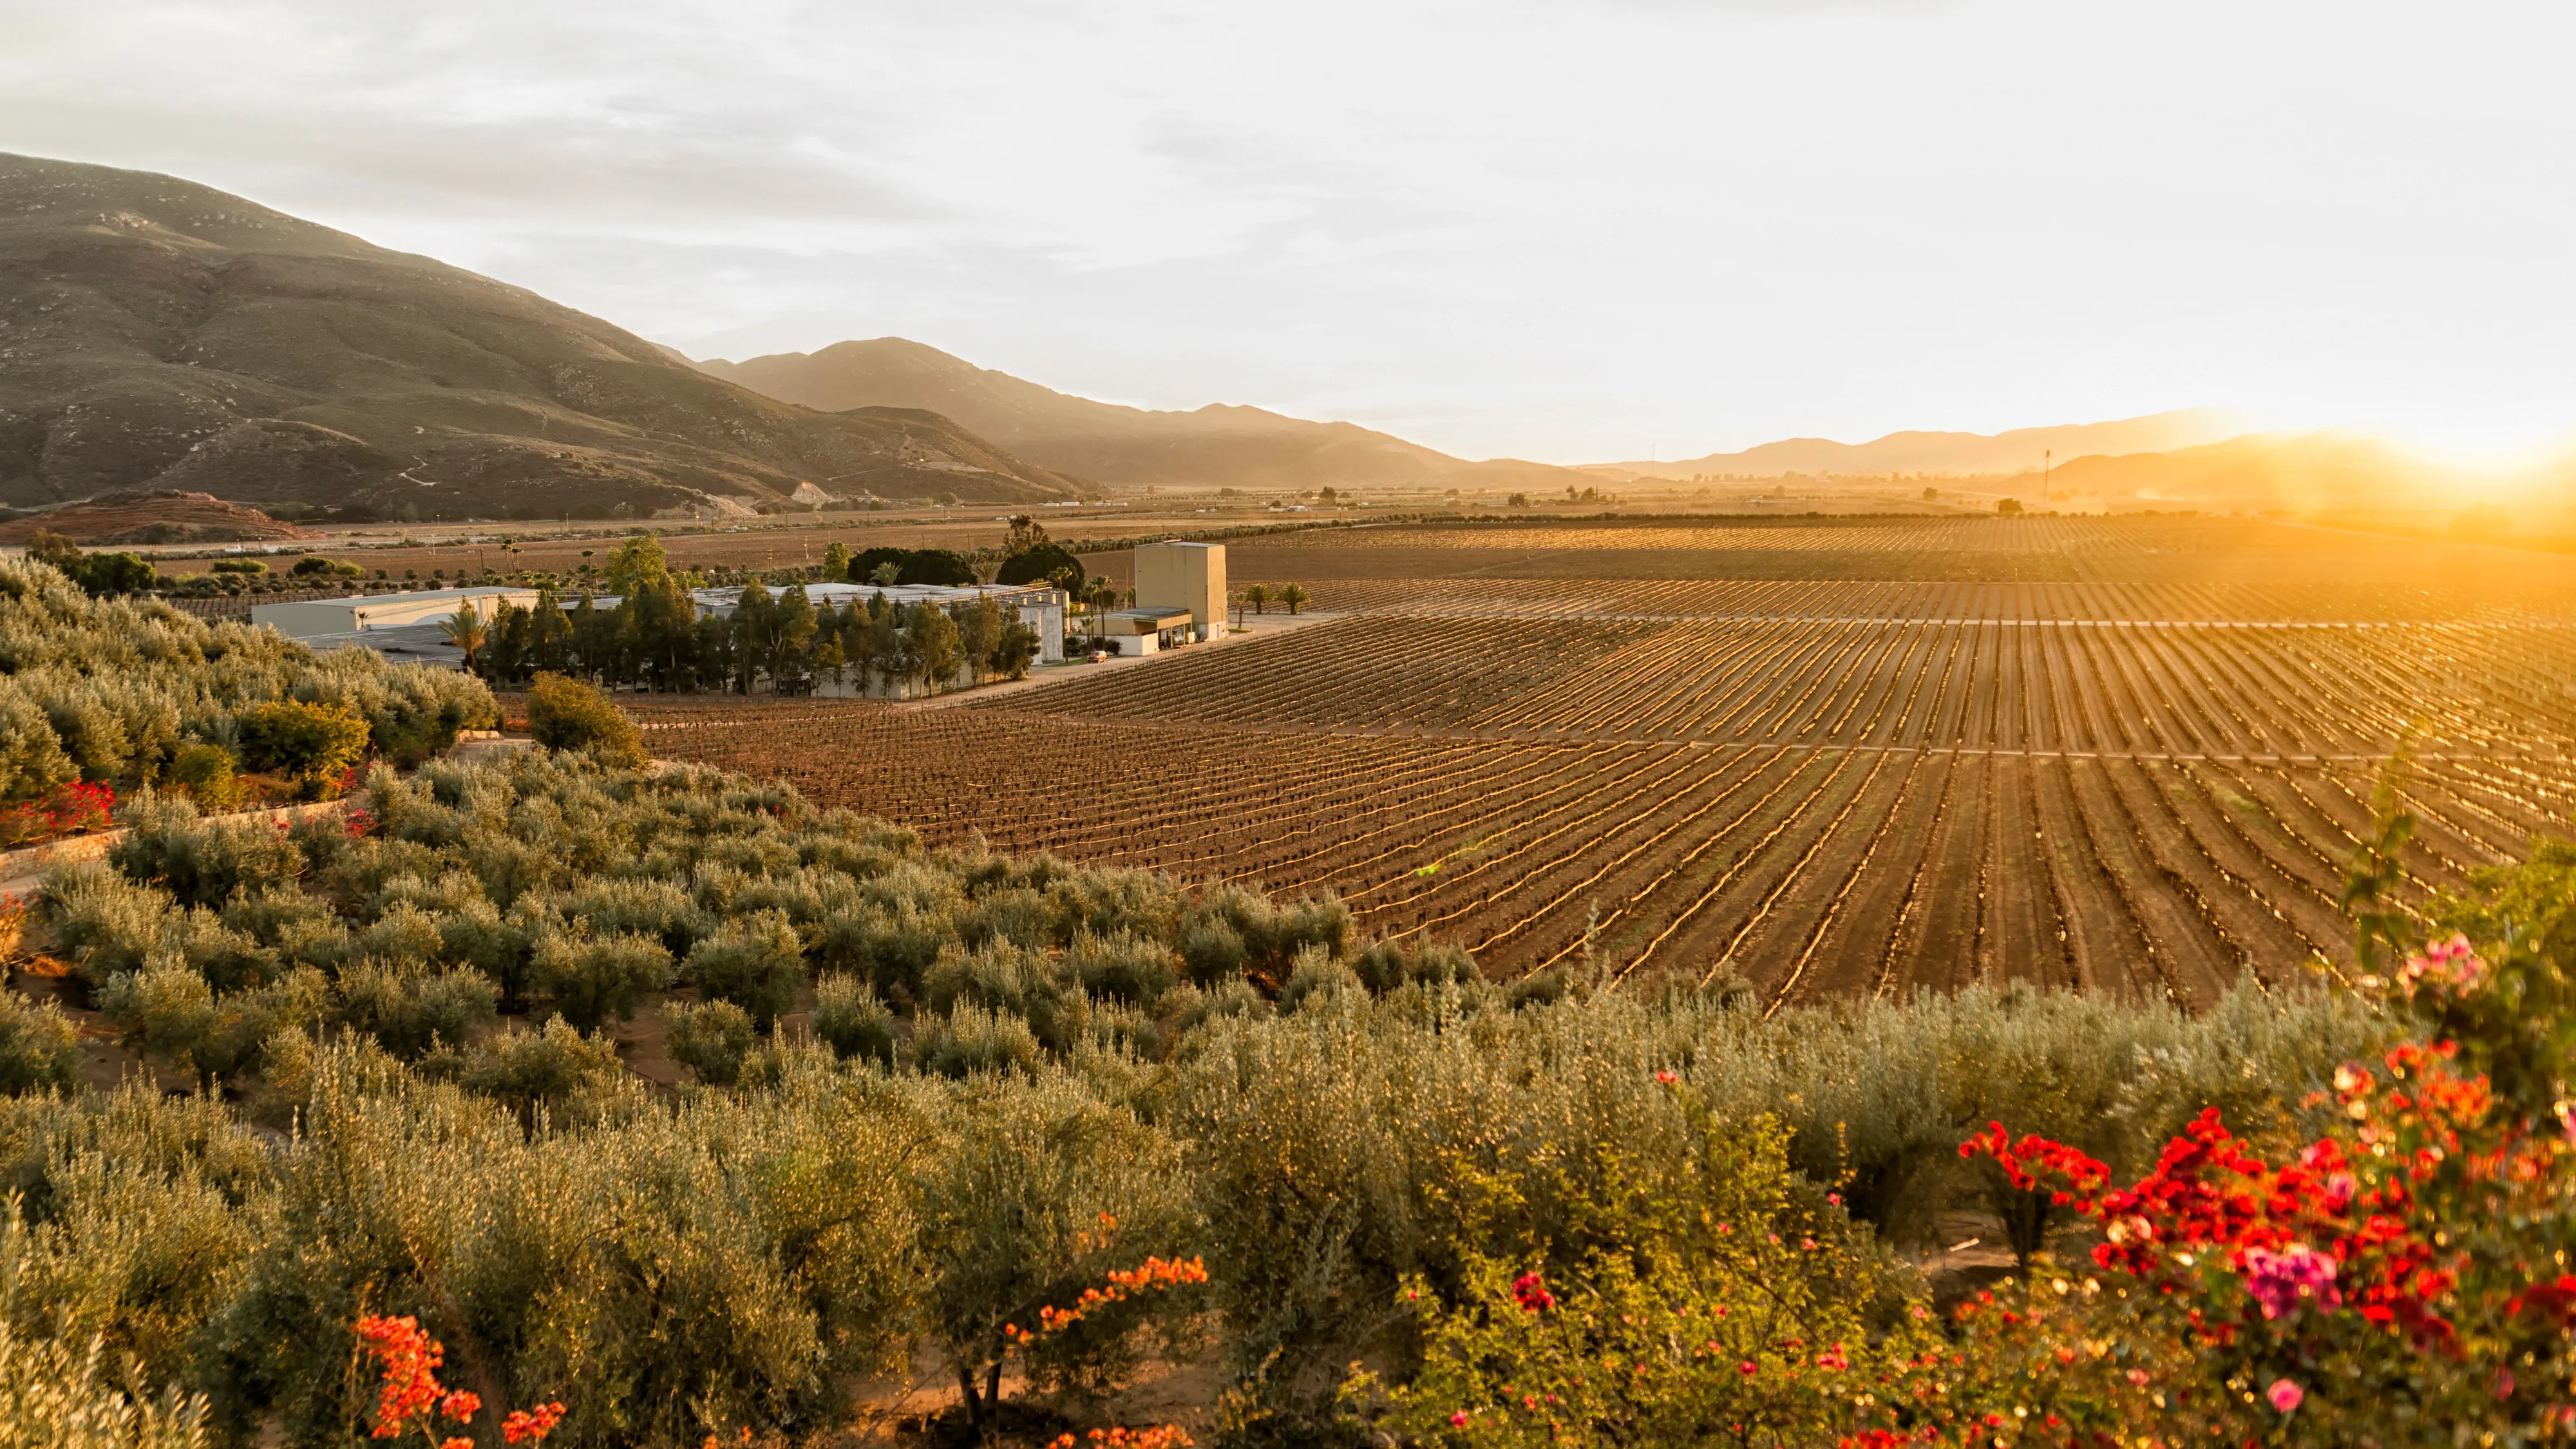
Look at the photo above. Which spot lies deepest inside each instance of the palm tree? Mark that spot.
(1293, 595)
(466, 630)
(1258, 596)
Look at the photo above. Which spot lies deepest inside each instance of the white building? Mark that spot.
(359, 613)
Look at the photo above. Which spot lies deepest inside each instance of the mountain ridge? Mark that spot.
(157, 333)
(1955, 454)
(1227, 444)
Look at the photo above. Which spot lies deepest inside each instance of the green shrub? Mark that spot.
(171, 1012)
(1383, 966)
(755, 963)
(40, 1049)
(1316, 979)
(200, 862)
(1735, 1296)
(554, 1069)
(313, 745)
(711, 1039)
(104, 923)
(592, 980)
(968, 1040)
(570, 714)
(1008, 979)
(62, 1391)
(1124, 967)
(891, 949)
(205, 774)
(410, 1008)
(656, 908)
(851, 1019)
(1231, 931)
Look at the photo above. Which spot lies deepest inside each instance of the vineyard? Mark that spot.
(2146, 779)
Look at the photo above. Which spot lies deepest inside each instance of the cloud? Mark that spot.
(1552, 228)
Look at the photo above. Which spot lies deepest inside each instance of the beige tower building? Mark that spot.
(1184, 576)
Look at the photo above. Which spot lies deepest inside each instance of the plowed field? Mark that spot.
(2141, 777)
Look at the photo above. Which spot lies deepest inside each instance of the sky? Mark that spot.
(1566, 230)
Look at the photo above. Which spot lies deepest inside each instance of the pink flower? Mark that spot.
(1458, 1420)
(2450, 964)
(2282, 1281)
(2285, 1395)
(1666, 1077)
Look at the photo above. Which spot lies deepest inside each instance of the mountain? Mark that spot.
(1216, 444)
(157, 333)
(1955, 453)
(2289, 470)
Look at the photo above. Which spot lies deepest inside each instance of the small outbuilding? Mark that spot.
(1152, 630)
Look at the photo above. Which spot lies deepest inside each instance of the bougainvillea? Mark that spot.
(66, 809)
(2401, 1277)
(411, 1398)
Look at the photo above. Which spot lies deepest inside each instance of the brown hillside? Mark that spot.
(1216, 445)
(163, 515)
(154, 332)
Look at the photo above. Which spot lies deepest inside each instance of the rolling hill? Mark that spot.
(1955, 454)
(1214, 445)
(2285, 470)
(155, 333)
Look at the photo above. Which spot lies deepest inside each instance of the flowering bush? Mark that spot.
(66, 809)
(411, 1397)
(2400, 1277)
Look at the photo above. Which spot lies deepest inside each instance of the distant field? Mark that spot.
(2142, 778)
(766, 545)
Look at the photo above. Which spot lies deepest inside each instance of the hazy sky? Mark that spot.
(1568, 231)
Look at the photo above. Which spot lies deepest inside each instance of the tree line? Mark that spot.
(654, 638)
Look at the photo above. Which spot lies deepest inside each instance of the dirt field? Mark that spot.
(752, 545)
(2142, 777)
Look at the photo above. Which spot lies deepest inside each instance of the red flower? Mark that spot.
(1531, 1293)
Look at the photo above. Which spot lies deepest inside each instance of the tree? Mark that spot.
(931, 648)
(754, 631)
(97, 573)
(1026, 533)
(938, 566)
(2008, 507)
(1016, 650)
(886, 575)
(1258, 596)
(979, 632)
(662, 621)
(881, 646)
(549, 634)
(1047, 563)
(791, 644)
(466, 630)
(637, 564)
(1293, 595)
(505, 650)
(836, 562)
